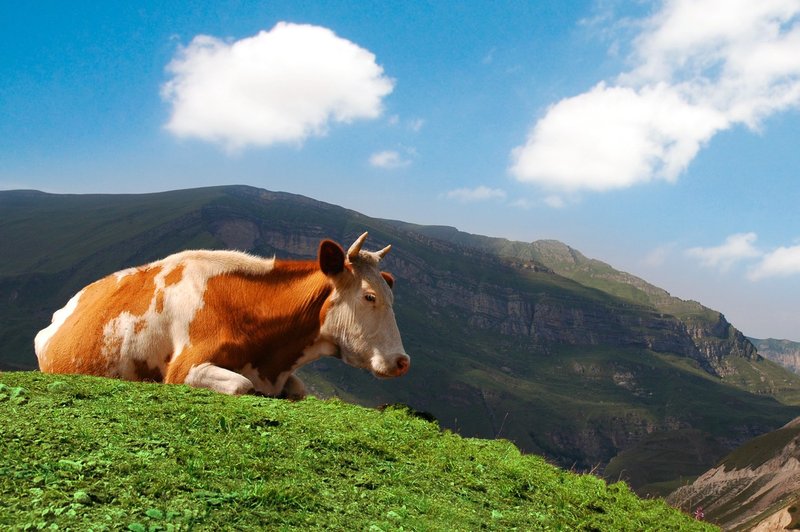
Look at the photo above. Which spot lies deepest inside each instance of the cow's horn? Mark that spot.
(355, 249)
(382, 253)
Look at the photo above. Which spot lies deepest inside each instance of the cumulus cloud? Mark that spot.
(614, 137)
(278, 86)
(782, 262)
(388, 159)
(480, 193)
(699, 67)
(736, 248)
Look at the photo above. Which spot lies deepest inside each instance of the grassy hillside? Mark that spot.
(83, 452)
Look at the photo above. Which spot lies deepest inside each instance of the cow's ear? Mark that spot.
(389, 278)
(331, 258)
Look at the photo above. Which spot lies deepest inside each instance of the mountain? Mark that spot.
(533, 342)
(756, 487)
(711, 339)
(783, 352)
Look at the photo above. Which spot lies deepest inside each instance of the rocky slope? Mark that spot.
(698, 333)
(757, 483)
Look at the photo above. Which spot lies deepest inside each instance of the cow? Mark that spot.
(230, 321)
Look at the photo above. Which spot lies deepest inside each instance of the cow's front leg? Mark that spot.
(294, 389)
(222, 380)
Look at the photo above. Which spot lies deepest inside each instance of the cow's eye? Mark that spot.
(370, 297)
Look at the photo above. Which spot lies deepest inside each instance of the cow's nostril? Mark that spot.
(402, 364)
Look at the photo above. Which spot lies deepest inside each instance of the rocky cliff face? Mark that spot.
(783, 352)
(662, 322)
(718, 341)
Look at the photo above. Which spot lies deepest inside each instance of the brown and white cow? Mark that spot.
(229, 321)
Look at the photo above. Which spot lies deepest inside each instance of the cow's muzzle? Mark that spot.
(398, 368)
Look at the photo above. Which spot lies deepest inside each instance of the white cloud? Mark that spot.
(782, 262)
(282, 85)
(480, 193)
(699, 67)
(613, 137)
(736, 248)
(556, 202)
(388, 159)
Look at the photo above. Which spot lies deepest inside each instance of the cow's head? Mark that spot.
(358, 316)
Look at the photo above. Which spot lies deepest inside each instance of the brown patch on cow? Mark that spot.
(174, 277)
(77, 346)
(145, 373)
(139, 326)
(160, 302)
(265, 321)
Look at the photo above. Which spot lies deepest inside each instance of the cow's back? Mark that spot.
(132, 323)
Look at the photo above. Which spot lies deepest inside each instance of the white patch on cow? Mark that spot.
(124, 273)
(320, 348)
(219, 379)
(264, 385)
(59, 317)
(221, 261)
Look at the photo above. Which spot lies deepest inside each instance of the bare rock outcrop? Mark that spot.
(748, 484)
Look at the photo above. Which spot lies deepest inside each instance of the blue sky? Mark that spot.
(660, 137)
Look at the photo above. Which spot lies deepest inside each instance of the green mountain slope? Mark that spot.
(87, 453)
(718, 347)
(502, 344)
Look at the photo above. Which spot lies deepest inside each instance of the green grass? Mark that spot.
(87, 453)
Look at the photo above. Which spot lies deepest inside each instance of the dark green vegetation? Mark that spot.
(84, 452)
(532, 342)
